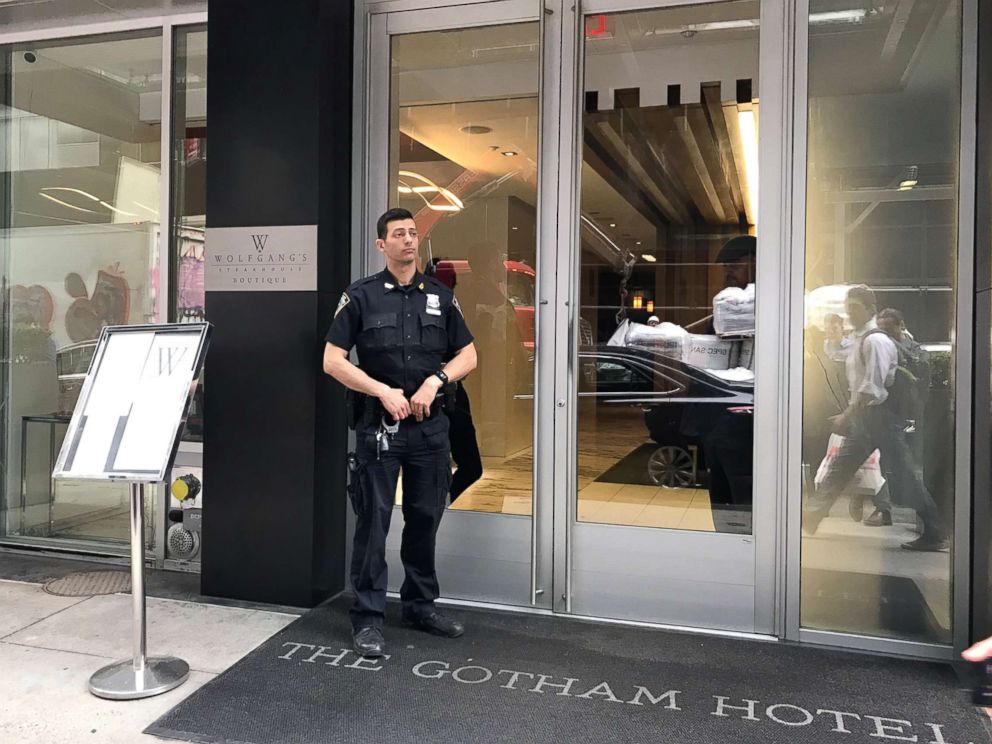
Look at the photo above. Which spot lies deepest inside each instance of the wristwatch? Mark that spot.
(441, 376)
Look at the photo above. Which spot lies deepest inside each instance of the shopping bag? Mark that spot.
(867, 481)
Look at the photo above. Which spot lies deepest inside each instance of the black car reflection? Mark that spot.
(701, 424)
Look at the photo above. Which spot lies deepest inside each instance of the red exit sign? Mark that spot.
(598, 25)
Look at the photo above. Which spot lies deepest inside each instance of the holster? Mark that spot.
(355, 483)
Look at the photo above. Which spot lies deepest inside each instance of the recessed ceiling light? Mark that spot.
(638, 242)
(476, 129)
(514, 228)
(613, 224)
(648, 257)
(509, 154)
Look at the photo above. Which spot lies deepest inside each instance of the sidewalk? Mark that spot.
(49, 647)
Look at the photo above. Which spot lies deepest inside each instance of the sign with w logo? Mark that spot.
(259, 241)
(261, 259)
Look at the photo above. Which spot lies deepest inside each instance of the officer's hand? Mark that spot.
(420, 403)
(395, 403)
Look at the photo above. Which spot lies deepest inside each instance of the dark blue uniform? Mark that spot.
(403, 335)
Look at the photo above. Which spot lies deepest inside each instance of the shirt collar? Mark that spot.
(390, 284)
(869, 326)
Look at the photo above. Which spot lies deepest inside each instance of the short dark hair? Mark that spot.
(896, 315)
(390, 215)
(863, 294)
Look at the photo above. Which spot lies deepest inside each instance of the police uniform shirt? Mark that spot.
(403, 334)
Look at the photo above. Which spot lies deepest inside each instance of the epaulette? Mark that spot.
(365, 280)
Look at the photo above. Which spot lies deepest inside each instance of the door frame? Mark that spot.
(370, 190)
(772, 333)
(554, 520)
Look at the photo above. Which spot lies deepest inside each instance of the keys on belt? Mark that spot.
(384, 433)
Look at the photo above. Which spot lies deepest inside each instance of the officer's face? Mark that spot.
(401, 242)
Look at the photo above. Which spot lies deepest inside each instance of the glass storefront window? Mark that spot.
(189, 193)
(463, 161)
(879, 390)
(669, 190)
(81, 126)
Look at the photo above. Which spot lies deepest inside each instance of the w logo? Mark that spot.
(259, 241)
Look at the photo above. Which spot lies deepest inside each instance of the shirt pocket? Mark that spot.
(380, 330)
(433, 334)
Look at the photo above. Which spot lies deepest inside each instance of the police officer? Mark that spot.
(412, 339)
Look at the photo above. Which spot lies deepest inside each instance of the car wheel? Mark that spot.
(671, 467)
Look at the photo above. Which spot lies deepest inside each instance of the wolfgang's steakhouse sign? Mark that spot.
(436, 671)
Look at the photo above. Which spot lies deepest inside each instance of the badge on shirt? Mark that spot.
(433, 304)
(342, 303)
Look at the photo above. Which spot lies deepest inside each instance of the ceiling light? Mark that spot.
(514, 228)
(749, 136)
(648, 257)
(429, 187)
(118, 211)
(638, 242)
(854, 15)
(613, 224)
(907, 184)
(87, 194)
(66, 204)
(476, 129)
(509, 154)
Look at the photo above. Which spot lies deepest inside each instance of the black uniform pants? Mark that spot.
(422, 451)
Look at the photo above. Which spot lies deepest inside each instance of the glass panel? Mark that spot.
(80, 124)
(669, 190)
(884, 112)
(464, 153)
(189, 193)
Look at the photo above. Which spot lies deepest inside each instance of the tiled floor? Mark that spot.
(49, 647)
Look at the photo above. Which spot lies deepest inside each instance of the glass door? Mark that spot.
(455, 139)
(669, 520)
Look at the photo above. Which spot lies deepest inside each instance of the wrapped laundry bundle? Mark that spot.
(745, 358)
(708, 352)
(666, 338)
(733, 311)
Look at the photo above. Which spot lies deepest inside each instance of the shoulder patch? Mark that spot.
(342, 303)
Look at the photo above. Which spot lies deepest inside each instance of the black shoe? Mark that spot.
(368, 642)
(435, 624)
(879, 518)
(856, 507)
(928, 544)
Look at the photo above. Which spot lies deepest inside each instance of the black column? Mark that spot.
(279, 132)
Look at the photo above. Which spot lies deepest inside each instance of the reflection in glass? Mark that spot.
(80, 133)
(464, 156)
(189, 193)
(669, 191)
(884, 103)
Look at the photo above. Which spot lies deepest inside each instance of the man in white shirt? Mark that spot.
(868, 424)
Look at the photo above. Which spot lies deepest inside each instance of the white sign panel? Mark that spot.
(132, 406)
(261, 259)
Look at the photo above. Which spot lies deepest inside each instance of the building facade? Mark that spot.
(651, 213)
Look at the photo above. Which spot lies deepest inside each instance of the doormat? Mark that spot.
(522, 678)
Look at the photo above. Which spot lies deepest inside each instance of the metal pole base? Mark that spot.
(120, 681)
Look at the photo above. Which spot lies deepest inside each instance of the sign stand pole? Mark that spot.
(139, 677)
